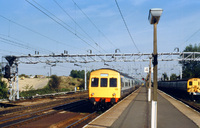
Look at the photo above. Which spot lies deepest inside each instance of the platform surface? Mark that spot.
(135, 112)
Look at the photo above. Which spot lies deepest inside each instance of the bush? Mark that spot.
(33, 92)
(23, 75)
(3, 89)
(54, 82)
(64, 90)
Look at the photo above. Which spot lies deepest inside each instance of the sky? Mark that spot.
(52, 26)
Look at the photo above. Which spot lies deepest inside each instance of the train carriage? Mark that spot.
(190, 86)
(108, 85)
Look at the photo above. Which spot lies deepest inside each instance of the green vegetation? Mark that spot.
(3, 88)
(23, 75)
(165, 77)
(173, 77)
(191, 69)
(79, 74)
(33, 92)
(56, 84)
(70, 83)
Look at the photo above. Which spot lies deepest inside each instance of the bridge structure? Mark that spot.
(11, 73)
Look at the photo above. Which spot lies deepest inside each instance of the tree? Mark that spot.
(77, 74)
(54, 82)
(173, 77)
(191, 69)
(165, 77)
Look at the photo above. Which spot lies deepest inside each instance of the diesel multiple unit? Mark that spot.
(191, 86)
(108, 86)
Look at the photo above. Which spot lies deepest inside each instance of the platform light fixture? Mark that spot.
(154, 17)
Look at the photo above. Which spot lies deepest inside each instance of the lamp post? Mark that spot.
(149, 88)
(154, 16)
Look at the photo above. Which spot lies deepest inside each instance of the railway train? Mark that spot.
(108, 86)
(190, 86)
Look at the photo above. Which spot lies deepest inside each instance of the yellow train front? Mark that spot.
(108, 86)
(190, 86)
(193, 86)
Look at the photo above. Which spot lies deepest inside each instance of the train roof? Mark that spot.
(180, 80)
(123, 74)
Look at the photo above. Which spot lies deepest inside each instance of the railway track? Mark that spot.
(41, 105)
(68, 112)
(194, 105)
(76, 116)
(22, 115)
(83, 121)
(186, 100)
(25, 118)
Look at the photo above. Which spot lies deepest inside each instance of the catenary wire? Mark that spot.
(61, 25)
(189, 37)
(29, 29)
(126, 26)
(77, 24)
(93, 24)
(23, 43)
(15, 43)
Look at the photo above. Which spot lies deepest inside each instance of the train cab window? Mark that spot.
(104, 82)
(190, 83)
(95, 82)
(113, 82)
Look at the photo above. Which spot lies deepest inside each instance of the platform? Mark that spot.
(135, 112)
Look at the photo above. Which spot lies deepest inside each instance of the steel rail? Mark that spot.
(40, 105)
(28, 117)
(81, 120)
(185, 100)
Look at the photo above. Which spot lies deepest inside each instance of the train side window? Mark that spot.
(113, 82)
(190, 83)
(104, 82)
(95, 82)
(122, 82)
(126, 84)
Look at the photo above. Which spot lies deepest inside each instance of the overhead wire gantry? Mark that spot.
(11, 70)
(116, 57)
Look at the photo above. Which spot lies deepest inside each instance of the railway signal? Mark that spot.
(7, 72)
(11, 73)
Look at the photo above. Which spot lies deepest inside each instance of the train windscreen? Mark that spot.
(104, 82)
(95, 82)
(113, 82)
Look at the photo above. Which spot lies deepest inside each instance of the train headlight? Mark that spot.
(92, 94)
(114, 94)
